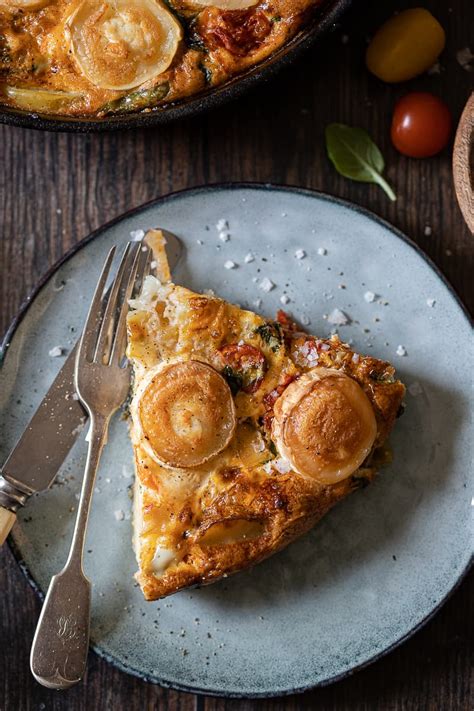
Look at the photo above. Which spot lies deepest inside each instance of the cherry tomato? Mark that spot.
(405, 46)
(421, 125)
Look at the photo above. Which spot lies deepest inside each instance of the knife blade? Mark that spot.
(51, 433)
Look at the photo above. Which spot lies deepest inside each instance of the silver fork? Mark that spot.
(61, 642)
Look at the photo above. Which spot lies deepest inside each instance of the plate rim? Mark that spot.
(198, 190)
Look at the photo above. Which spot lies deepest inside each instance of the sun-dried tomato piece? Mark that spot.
(270, 400)
(244, 366)
(238, 31)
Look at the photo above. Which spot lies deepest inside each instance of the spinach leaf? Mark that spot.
(137, 100)
(234, 379)
(355, 155)
(271, 334)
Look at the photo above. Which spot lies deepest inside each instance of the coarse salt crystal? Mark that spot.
(137, 235)
(199, 241)
(56, 352)
(401, 351)
(230, 264)
(322, 251)
(466, 59)
(222, 224)
(266, 284)
(153, 264)
(224, 236)
(355, 358)
(119, 515)
(431, 302)
(338, 318)
(257, 303)
(415, 389)
(300, 254)
(427, 231)
(434, 69)
(369, 296)
(305, 320)
(285, 299)
(325, 347)
(267, 467)
(281, 465)
(249, 258)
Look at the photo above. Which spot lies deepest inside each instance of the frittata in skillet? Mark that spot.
(105, 57)
(245, 431)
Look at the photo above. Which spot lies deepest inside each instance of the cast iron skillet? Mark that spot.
(323, 20)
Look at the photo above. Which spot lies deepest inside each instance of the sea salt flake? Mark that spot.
(229, 264)
(415, 389)
(355, 358)
(300, 254)
(431, 302)
(249, 258)
(322, 251)
(224, 236)
(401, 351)
(305, 320)
(56, 352)
(119, 515)
(285, 299)
(137, 235)
(199, 241)
(281, 465)
(257, 303)
(466, 59)
(338, 318)
(266, 284)
(222, 225)
(434, 69)
(369, 296)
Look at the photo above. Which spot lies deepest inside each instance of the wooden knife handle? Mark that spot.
(7, 519)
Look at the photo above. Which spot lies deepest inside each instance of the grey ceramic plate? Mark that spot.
(380, 563)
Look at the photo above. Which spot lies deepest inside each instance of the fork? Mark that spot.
(61, 642)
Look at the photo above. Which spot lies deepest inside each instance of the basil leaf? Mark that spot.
(355, 155)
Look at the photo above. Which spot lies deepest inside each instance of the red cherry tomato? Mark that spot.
(421, 125)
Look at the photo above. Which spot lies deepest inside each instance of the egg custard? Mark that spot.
(245, 431)
(100, 58)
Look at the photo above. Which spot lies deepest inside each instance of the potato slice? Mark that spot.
(120, 44)
(227, 4)
(25, 4)
(41, 100)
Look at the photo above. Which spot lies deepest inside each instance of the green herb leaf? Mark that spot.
(271, 334)
(234, 379)
(137, 100)
(355, 155)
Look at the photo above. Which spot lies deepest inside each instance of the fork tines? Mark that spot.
(104, 336)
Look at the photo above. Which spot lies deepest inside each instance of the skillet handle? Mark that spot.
(7, 519)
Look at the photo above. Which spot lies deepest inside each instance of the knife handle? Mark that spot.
(7, 519)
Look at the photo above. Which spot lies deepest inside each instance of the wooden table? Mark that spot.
(54, 189)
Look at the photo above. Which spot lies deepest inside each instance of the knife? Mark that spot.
(50, 434)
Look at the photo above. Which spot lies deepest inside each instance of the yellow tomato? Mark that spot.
(405, 46)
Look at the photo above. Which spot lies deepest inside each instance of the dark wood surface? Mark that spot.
(55, 188)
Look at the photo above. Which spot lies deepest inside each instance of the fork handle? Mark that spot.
(61, 642)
